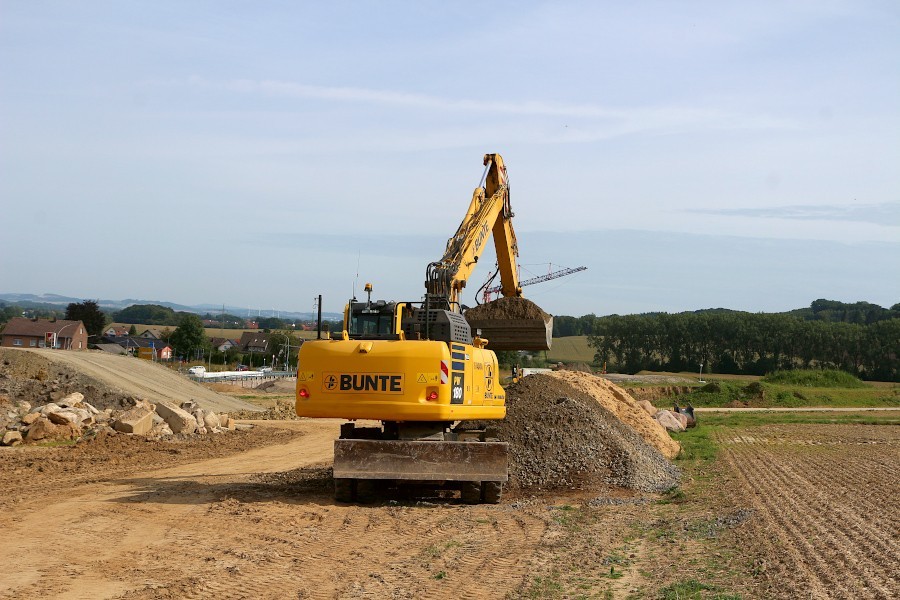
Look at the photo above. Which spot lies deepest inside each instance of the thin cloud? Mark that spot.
(647, 117)
(880, 214)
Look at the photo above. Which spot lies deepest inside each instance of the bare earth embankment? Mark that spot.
(103, 378)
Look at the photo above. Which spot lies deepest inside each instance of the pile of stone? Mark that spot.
(72, 417)
(562, 437)
(678, 419)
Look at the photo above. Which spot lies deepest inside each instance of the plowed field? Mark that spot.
(826, 500)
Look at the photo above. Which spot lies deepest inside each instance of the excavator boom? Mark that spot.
(515, 324)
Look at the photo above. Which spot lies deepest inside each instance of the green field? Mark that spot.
(571, 349)
(764, 394)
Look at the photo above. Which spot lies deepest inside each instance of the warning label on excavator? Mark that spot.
(428, 377)
(304, 375)
(383, 383)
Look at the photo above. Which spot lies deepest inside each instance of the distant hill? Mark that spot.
(58, 302)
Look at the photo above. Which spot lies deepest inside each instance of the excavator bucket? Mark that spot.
(414, 460)
(512, 323)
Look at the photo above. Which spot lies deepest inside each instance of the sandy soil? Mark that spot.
(788, 511)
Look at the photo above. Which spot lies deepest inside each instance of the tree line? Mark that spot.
(746, 343)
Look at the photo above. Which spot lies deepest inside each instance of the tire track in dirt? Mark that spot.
(363, 552)
(866, 553)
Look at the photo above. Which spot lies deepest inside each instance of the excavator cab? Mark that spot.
(372, 321)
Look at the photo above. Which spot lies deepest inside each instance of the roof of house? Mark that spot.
(38, 327)
(252, 339)
(111, 348)
(219, 341)
(131, 341)
(156, 333)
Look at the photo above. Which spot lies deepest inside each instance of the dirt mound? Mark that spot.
(626, 408)
(512, 324)
(507, 308)
(107, 381)
(561, 437)
(33, 378)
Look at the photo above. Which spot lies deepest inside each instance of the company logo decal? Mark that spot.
(381, 383)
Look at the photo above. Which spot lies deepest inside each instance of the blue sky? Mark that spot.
(691, 155)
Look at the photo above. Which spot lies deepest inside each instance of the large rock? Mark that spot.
(200, 415)
(668, 420)
(138, 420)
(12, 438)
(31, 418)
(212, 420)
(43, 429)
(72, 400)
(646, 405)
(61, 417)
(682, 419)
(180, 421)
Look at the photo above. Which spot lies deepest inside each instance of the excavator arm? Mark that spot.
(489, 214)
(516, 324)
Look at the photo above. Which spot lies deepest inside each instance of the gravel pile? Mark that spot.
(561, 437)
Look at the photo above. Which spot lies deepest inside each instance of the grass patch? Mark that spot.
(436, 550)
(817, 378)
(56, 443)
(568, 516)
(692, 589)
(697, 444)
(750, 419)
(674, 495)
(765, 394)
(546, 587)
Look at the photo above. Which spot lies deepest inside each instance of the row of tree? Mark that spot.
(830, 311)
(746, 343)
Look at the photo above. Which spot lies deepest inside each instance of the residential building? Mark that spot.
(252, 341)
(132, 344)
(223, 344)
(44, 333)
(116, 330)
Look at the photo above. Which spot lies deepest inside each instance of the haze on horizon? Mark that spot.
(736, 155)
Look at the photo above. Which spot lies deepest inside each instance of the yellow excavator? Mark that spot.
(420, 369)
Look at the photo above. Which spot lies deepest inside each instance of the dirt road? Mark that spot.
(259, 524)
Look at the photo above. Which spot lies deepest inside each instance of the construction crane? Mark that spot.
(490, 291)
